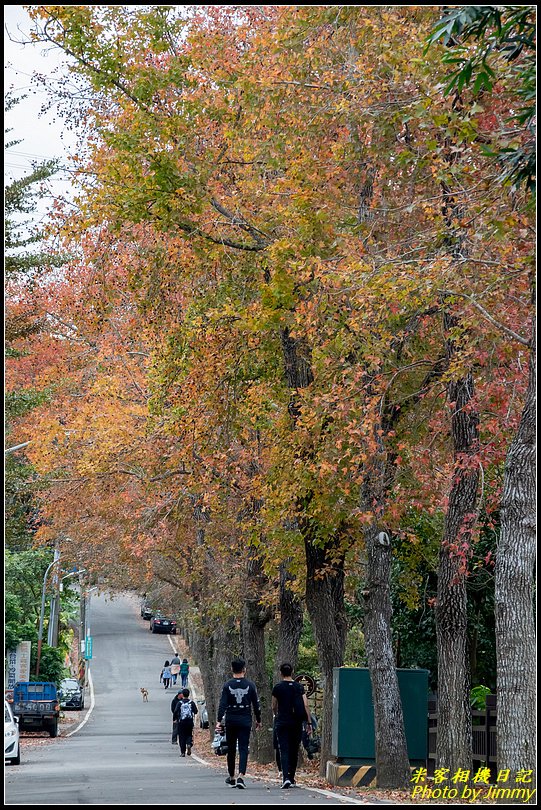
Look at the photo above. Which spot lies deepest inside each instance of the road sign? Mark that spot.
(88, 648)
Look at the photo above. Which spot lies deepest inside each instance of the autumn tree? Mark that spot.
(257, 372)
(504, 56)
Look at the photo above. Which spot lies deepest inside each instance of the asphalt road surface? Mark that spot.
(122, 754)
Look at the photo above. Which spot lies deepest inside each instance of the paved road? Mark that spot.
(123, 753)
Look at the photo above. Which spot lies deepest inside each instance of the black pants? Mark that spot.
(185, 731)
(288, 738)
(237, 732)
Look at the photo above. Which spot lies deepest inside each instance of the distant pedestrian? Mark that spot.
(239, 697)
(166, 674)
(184, 672)
(185, 711)
(175, 668)
(290, 709)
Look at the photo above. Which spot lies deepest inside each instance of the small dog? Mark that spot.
(144, 692)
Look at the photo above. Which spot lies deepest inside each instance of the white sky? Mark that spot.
(41, 135)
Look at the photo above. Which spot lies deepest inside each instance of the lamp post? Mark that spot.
(42, 613)
(16, 447)
(85, 633)
(52, 637)
(71, 574)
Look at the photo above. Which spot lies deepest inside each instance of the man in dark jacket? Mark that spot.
(185, 712)
(239, 696)
(290, 709)
(174, 733)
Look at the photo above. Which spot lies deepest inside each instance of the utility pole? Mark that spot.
(82, 634)
(52, 633)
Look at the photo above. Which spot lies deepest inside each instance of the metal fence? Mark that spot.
(483, 733)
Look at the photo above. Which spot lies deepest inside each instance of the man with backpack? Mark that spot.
(185, 711)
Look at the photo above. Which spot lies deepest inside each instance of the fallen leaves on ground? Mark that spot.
(308, 776)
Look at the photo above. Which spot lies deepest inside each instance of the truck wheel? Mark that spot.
(53, 729)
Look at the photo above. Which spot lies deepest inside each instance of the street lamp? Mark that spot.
(16, 447)
(52, 636)
(71, 574)
(42, 613)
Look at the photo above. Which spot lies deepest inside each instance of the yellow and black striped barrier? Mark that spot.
(351, 775)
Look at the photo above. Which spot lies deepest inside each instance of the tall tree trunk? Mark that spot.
(515, 625)
(201, 646)
(392, 763)
(226, 645)
(454, 747)
(214, 649)
(324, 563)
(454, 738)
(291, 624)
(255, 619)
(325, 604)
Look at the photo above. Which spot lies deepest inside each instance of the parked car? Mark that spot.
(12, 750)
(162, 624)
(71, 694)
(146, 611)
(203, 714)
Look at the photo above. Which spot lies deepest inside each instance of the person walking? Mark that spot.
(174, 732)
(175, 668)
(185, 711)
(166, 674)
(238, 698)
(184, 672)
(290, 709)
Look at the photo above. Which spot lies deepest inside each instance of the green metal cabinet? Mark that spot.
(353, 714)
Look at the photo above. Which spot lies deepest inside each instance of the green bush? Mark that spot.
(478, 697)
(51, 665)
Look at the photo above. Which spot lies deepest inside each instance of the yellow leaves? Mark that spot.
(49, 440)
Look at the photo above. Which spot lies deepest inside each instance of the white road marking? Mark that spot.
(89, 712)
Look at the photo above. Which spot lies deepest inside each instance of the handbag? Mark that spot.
(219, 744)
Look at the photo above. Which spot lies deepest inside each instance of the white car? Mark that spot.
(11, 736)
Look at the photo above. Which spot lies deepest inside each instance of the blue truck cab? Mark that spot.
(37, 706)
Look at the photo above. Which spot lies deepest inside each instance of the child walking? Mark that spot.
(166, 674)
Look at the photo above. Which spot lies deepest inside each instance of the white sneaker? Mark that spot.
(286, 784)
